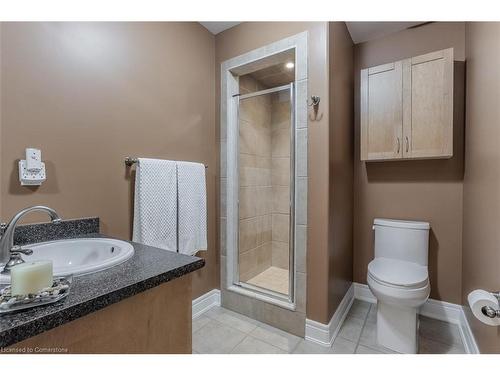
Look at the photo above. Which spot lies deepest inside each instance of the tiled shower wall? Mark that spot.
(280, 178)
(264, 176)
(255, 191)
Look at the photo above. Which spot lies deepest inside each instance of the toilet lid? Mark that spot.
(398, 272)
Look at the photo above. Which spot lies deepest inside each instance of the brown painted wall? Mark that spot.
(251, 35)
(89, 94)
(429, 190)
(481, 237)
(341, 154)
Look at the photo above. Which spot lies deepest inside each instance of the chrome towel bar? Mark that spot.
(131, 161)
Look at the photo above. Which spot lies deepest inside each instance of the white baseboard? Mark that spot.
(467, 336)
(324, 334)
(440, 310)
(205, 302)
(363, 293)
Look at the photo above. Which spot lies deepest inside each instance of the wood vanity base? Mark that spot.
(155, 321)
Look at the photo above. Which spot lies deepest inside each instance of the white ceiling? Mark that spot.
(365, 31)
(218, 27)
(360, 31)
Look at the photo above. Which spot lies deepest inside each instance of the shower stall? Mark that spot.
(265, 179)
(263, 183)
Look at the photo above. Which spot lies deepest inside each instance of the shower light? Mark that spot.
(289, 65)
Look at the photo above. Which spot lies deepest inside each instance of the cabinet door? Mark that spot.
(381, 112)
(428, 105)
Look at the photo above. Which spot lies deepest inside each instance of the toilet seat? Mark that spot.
(398, 274)
(398, 282)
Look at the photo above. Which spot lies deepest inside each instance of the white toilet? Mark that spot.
(399, 280)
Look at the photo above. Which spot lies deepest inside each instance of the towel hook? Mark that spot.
(315, 99)
(315, 108)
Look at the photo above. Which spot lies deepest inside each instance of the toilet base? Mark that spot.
(397, 328)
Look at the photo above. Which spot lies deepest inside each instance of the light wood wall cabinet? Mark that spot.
(407, 108)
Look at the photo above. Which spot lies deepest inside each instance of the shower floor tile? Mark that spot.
(222, 331)
(273, 278)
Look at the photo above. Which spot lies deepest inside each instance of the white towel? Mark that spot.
(155, 205)
(192, 207)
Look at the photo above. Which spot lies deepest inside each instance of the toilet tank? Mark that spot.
(402, 240)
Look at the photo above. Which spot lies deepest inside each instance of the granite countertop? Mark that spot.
(149, 267)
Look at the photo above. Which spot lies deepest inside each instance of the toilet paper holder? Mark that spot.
(490, 312)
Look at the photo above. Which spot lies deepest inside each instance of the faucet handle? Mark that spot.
(19, 250)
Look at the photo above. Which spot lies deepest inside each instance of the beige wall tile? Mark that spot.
(301, 152)
(280, 143)
(263, 142)
(264, 257)
(280, 172)
(300, 293)
(248, 234)
(247, 205)
(264, 162)
(222, 235)
(300, 248)
(281, 199)
(247, 170)
(267, 228)
(247, 138)
(280, 254)
(263, 200)
(280, 115)
(301, 199)
(263, 229)
(248, 265)
(263, 176)
(281, 227)
(301, 107)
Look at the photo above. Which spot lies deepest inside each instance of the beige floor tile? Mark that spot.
(359, 309)
(216, 338)
(351, 329)
(199, 322)
(437, 330)
(372, 314)
(308, 347)
(251, 345)
(276, 337)
(369, 338)
(236, 322)
(428, 346)
(223, 331)
(343, 346)
(366, 350)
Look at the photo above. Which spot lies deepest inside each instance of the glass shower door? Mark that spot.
(266, 191)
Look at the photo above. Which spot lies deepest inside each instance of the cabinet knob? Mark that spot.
(397, 152)
(407, 144)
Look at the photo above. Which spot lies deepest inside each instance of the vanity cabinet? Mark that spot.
(406, 108)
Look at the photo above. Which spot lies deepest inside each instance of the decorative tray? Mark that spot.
(59, 290)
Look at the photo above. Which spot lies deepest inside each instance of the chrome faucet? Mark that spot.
(10, 255)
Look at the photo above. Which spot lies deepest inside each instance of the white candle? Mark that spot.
(31, 277)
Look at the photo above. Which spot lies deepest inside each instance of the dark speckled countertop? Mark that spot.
(149, 267)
